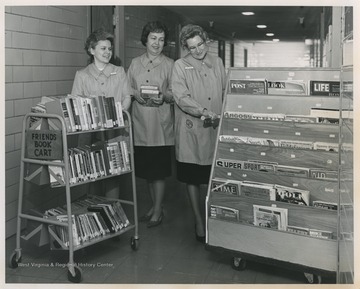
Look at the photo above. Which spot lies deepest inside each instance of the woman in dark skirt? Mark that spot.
(198, 84)
(153, 117)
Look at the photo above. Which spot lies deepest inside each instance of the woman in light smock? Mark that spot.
(198, 84)
(152, 115)
(100, 77)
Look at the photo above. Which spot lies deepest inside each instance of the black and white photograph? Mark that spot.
(179, 144)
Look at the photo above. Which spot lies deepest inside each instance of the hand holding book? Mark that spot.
(138, 97)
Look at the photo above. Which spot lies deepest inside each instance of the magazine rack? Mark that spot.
(29, 157)
(279, 151)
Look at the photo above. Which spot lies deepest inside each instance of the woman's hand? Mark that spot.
(159, 100)
(208, 114)
(138, 98)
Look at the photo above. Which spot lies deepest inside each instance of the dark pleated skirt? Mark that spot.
(152, 163)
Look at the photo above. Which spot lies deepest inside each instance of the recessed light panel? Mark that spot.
(247, 13)
(261, 26)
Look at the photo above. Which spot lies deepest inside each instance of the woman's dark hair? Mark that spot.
(94, 38)
(190, 31)
(157, 27)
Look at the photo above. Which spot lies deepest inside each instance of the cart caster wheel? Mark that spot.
(238, 264)
(77, 277)
(13, 262)
(134, 243)
(313, 279)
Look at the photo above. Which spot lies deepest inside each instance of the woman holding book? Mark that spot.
(198, 84)
(100, 77)
(152, 114)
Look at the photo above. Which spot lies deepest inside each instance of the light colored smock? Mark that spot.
(153, 126)
(196, 84)
(112, 81)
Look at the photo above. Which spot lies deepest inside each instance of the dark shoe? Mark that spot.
(145, 218)
(151, 224)
(198, 238)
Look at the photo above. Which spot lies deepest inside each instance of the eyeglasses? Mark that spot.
(199, 45)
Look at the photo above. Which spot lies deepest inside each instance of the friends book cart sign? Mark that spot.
(44, 145)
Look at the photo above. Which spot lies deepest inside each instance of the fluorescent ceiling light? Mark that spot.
(261, 26)
(247, 13)
(276, 40)
(270, 34)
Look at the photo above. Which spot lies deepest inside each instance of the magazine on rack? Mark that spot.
(270, 217)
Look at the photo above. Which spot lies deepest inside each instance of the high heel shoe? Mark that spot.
(145, 218)
(151, 224)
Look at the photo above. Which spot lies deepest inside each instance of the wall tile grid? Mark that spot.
(135, 19)
(43, 50)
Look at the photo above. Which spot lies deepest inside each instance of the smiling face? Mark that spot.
(155, 43)
(102, 53)
(197, 47)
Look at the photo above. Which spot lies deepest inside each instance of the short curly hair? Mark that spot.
(154, 26)
(190, 31)
(94, 38)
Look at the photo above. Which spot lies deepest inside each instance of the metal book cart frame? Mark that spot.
(74, 272)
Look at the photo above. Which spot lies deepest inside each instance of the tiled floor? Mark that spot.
(167, 254)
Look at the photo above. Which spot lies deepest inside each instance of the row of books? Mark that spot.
(83, 113)
(317, 115)
(284, 87)
(268, 217)
(270, 192)
(290, 144)
(100, 217)
(275, 168)
(103, 158)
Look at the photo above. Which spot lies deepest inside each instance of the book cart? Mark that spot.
(57, 129)
(274, 193)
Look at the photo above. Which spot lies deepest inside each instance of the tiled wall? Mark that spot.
(135, 19)
(43, 49)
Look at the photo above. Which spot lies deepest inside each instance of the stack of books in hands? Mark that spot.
(148, 93)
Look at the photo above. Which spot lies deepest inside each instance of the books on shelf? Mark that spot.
(224, 213)
(98, 217)
(100, 159)
(57, 174)
(270, 217)
(82, 113)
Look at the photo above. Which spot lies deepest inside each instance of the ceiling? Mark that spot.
(288, 23)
